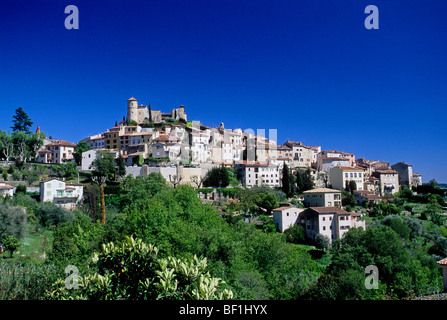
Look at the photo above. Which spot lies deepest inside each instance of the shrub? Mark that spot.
(51, 215)
(322, 241)
(21, 188)
(296, 234)
(24, 281)
(12, 221)
(133, 270)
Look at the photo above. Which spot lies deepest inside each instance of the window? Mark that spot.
(346, 175)
(360, 174)
(351, 175)
(355, 174)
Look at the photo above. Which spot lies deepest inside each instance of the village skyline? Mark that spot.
(310, 70)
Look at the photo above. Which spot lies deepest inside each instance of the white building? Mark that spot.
(61, 193)
(90, 155)
(322, 197)
(342, 176)
(332, 222)
(405, 172)
(60, 151)
(325, 164)
(96, 141)
(302, 154)
(286, 217)
(388, 180)
(254, 173)
(6, 189)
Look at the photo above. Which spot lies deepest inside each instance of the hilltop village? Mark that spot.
(261, 212)
(183, 152)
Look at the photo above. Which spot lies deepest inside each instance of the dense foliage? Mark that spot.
(154, 234)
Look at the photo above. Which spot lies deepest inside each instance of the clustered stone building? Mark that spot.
(176, 143)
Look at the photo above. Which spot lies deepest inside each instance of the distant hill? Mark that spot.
(443, 185)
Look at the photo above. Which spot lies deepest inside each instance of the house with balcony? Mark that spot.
(332, 222)
(59, 151)
(61, 193)
(388, 181)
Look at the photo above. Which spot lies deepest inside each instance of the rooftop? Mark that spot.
(323, 210)
(322, 190)
(285, 208)
(350, 168)
(61, 143)
(443, 262)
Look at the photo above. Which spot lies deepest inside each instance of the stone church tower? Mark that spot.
(132, 110)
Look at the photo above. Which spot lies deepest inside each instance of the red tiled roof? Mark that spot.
(386, 171)
(61, 143)
(443, 262)
(285, 208)
(322, 210)
(350, 168)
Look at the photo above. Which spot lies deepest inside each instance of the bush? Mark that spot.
(348, 199)
(24, 281)
(12, 221)
(322, 241)
(415, 225)
(50, 214)
(296, 234)
(133, 270)
(21, 188)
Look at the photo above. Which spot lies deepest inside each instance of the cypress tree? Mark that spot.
(286, 188)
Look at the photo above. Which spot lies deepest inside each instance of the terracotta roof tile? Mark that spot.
(443, 262)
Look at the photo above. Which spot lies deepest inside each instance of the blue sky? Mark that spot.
(308, 68)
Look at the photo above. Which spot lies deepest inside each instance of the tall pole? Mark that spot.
(103, 207)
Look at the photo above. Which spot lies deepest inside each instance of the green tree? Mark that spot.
(104, 169)
(65, 170)
(81, 147)
(287, 181)
(121, 171)
(6, 145)
(11, 244)
(31, 176)
(347, 199)
(217, 177)
(402, 274)
(12, 221)
(268, 201)
(21, 146)
(21, 121)
(50, 214)
(304, 181)
(296, 234)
